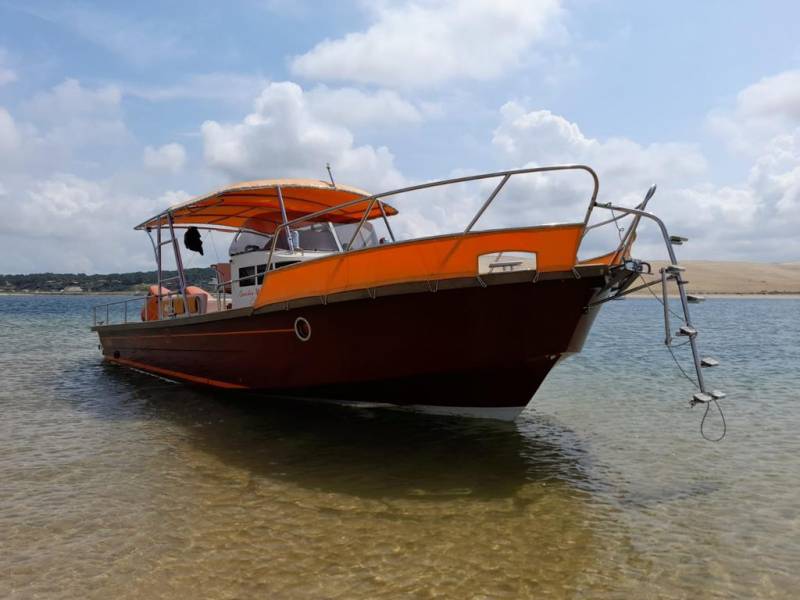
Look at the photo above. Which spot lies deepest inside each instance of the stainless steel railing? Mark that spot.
(376, 198)
(107, 306)
(123, 318)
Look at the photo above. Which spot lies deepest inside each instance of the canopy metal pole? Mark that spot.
(386, 220)
(155, 252)
(361, 223)
(179, 265)
(285, 220)
(158, 267)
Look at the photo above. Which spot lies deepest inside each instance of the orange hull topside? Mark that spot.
(427, 259)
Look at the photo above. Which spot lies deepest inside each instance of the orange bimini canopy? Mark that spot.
(255, 205)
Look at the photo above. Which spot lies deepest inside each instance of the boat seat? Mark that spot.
(150, 308)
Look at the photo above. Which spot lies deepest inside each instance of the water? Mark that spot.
(114, 484)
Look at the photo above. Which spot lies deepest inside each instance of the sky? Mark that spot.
(111, 111)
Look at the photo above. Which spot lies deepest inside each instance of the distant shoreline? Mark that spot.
(131, 293)
(634, 296)
(724, 296)
(710, 279)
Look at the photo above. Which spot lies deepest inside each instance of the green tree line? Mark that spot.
(137, 281)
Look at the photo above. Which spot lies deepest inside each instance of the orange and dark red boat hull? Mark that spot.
(468, 343)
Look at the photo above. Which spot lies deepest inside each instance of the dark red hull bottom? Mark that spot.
(465, 347)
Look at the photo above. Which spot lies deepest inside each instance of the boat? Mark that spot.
(695, 298)
(313, 304)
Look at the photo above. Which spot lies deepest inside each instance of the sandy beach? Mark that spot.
(728, 278)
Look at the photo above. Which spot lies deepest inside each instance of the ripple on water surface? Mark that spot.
(116, 484)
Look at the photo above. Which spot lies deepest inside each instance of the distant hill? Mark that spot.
(135, 282)
(730, 277)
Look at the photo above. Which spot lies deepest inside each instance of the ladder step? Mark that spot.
(674, 269)
(688, 331)
(702, 397)
(717, 394)
(677, 240)
(709, 362)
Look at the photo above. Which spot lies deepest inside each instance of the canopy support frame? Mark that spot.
(289, 240)
(178, 264)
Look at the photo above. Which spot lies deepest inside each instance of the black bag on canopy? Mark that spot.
(192, 241)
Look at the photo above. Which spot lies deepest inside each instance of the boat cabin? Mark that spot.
(250, 253)
(276, 224)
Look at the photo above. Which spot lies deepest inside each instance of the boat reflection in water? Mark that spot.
(365, 452)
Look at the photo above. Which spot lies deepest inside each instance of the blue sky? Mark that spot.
(109, 111)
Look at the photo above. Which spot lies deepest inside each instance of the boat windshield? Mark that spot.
(247, 241)
(317, 237)
(366, 237)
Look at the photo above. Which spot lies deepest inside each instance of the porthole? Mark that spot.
(302, 329)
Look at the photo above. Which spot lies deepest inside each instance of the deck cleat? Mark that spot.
(709, 362)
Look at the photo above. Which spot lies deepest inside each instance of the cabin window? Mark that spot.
(246, 276)
(283, 263)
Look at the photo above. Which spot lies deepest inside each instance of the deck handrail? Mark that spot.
(108, 305)
(506, 175)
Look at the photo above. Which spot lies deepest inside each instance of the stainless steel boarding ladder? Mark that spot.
(672, 272)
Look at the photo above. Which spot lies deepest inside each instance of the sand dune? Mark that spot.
(728, 277)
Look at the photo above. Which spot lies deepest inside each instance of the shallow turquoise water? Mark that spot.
(117, 484)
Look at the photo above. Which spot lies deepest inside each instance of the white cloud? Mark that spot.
(70, 116)
(285, 137)
(9, 135)
(52, 201)
(68, 223)
(70, 99)
(763, 110)
(228, 88)
(420, 43)
(169, 157)
(7, 74)
(754, 220)
(626, 169)
(54, 218)
(354, 108)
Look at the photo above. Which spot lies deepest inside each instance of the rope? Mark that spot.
(708, 404)
(616, 225)
(678, 364)
(660, 301)
(703, 422)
